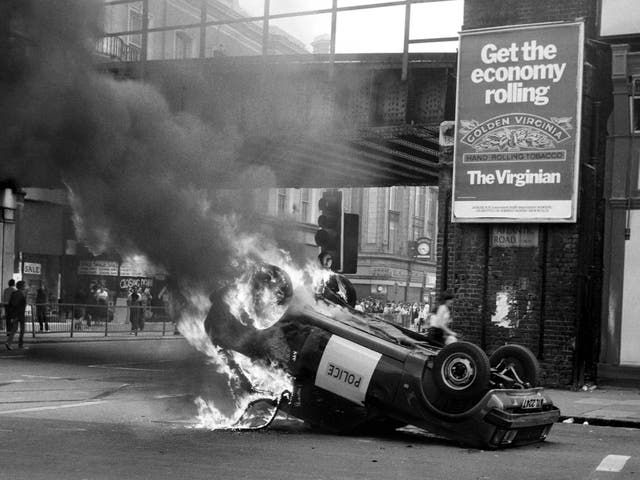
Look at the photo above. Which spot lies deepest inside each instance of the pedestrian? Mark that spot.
(41, 307)
(17, 307)
(6, 295)
(439, 331)
(134, 310)
(146, 311)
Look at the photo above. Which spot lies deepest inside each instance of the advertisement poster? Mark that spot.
(517, 133)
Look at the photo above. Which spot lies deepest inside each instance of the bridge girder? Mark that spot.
(313, 122)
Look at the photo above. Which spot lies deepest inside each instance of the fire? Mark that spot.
(260, 307)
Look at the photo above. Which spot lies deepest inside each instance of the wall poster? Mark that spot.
(517, 138)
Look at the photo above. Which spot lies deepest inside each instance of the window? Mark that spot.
(634, 107)
(282, 202)
(372, 215)
(184, 45)
(419, 203)
(393, 200)
(135, 23)
(418, 228)
(304, 205)
(392, 241)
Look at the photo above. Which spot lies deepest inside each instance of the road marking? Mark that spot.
(126, 368)
(42, 376)
(54, 407)
(612, 463)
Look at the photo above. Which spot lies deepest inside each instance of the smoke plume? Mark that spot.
(141, 177)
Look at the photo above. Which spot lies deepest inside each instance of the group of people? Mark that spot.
(434, 322)
(404, 313)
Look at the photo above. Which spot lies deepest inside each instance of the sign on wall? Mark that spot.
(32, 268)
(514, 236)
(98, 267)
(518, 124)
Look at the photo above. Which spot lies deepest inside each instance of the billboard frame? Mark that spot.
(574, 182)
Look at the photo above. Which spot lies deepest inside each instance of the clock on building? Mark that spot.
(423, 247)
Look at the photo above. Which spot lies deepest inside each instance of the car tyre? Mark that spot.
(461, 370)
(521, 359)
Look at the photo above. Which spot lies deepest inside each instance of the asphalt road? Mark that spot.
(126, 410)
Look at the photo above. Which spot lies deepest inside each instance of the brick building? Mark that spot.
(544, 293)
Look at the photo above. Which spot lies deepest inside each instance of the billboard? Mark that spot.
(517, 137)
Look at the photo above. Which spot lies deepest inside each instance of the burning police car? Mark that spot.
(352, 372)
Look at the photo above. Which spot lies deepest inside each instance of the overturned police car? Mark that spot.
(354, 372)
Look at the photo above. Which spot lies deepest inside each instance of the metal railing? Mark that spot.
(75, 319)
(117, 48)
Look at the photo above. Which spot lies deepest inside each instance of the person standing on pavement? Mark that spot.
(439, 330)
(6, 295)
(17, 307)
(41, 307)
(134, 310)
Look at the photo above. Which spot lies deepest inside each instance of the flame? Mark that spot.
(266, 380)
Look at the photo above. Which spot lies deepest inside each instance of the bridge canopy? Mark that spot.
(314, 122)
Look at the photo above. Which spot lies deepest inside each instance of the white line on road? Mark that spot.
(612, 463)
(53, 407)
(126, 368)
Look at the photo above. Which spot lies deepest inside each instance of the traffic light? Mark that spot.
(350, 237)
(337, 236)
(330, 223)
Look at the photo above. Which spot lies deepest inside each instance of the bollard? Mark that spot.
(106, 320)
(33, 325)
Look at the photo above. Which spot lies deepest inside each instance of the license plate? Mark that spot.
(531, 403)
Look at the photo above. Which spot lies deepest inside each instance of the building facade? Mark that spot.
(392, 219)
(620, 325)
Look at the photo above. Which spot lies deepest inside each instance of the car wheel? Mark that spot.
(516, 359)
(461, 370)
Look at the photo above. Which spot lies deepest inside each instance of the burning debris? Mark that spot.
(141, 177)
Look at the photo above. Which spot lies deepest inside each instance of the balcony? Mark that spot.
(115, 48)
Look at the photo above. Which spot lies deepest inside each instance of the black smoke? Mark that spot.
(141, 177)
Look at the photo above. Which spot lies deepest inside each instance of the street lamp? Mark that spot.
(8, 215)
(8, 206)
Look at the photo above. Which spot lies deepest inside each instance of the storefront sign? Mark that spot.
(31, 268)
(518, 124)
(140, 283)
(514, 236)
(98, 267)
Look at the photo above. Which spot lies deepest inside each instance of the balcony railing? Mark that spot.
(117, 49)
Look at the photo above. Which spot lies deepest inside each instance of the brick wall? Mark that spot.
(493, 13)
(535, 296)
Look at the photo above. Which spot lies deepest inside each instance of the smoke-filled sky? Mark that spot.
(142, 178)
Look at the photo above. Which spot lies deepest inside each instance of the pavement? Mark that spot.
(608, 405)
(598, 405)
